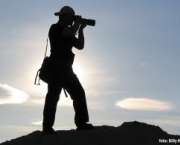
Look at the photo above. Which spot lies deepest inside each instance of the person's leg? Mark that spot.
(77, 93)
(51, 101)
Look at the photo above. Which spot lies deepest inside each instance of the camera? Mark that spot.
(89, 22)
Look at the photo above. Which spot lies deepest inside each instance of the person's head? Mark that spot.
(66, 15)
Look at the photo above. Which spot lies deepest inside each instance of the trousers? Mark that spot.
(72, 85)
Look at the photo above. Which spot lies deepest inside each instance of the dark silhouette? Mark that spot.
(62, 39)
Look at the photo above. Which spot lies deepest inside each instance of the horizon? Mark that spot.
(129, 67)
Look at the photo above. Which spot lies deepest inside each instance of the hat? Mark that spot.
(65, 10)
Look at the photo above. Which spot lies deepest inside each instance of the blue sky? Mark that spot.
(129, 67)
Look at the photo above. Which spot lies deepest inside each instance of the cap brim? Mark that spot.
(57, 14)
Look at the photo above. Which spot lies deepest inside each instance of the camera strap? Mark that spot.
(46, 48)
(37, 74)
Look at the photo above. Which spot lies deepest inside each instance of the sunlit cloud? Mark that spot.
(37, 123)
(145, 104)
(11, 95)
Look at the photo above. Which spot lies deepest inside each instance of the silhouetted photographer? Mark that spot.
(62, 40)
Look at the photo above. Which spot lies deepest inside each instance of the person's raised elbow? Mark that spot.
(80, 47)
(79, 44)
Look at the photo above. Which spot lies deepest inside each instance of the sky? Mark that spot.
(129, 67)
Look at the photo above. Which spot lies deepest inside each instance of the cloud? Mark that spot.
(37, 123)
(144, 104)
(11, 95)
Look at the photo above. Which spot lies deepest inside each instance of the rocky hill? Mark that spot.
(129, 133)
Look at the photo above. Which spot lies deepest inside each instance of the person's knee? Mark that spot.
(52, 98)
(80, 95)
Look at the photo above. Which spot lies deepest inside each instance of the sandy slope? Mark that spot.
(129, 133)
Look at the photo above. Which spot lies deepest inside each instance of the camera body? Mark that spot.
(89, 22)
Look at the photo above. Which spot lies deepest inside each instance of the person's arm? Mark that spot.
(71, 31)
(79, 44)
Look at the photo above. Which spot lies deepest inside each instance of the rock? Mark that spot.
(129, 133)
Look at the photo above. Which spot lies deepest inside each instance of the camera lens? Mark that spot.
(90, 22)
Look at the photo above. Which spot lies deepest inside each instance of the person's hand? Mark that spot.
(78, 20)
(83, 25)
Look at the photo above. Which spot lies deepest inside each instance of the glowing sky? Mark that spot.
(129, 67)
